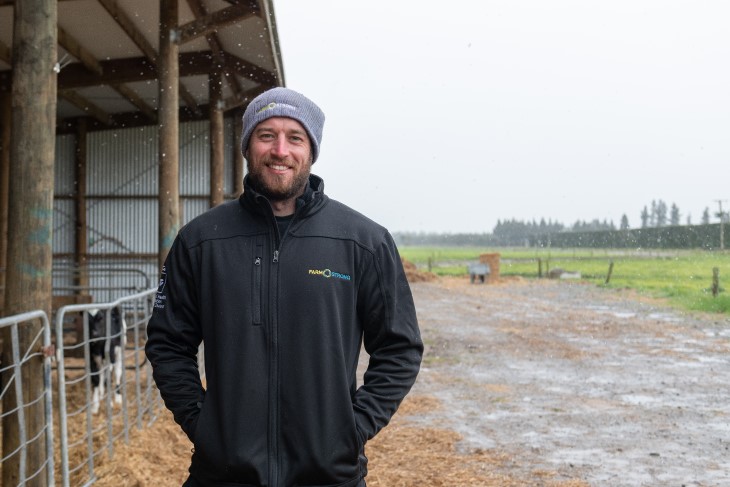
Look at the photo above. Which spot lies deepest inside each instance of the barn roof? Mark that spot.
(107, 57)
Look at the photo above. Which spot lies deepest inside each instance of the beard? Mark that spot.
(277, 191)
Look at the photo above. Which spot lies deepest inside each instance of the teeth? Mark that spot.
(279, 168)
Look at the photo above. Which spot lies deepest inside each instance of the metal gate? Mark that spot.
(83, 437)
(13, 385)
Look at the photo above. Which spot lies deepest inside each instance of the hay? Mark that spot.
(414, 275)
(404, 454)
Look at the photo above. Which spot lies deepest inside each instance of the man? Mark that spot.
(282, 286)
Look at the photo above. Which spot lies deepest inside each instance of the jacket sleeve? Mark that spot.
(173, 337)
(391, 338)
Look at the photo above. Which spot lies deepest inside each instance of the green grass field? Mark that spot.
(683, 277)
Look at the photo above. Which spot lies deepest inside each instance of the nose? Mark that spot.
(280, 147)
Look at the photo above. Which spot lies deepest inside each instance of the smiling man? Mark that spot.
(283, 286)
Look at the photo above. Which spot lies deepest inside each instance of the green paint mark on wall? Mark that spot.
(169, 238)
(32, 271)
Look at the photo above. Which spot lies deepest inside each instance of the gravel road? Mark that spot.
(588, 383)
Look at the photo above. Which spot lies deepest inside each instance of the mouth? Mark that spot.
(278, 167)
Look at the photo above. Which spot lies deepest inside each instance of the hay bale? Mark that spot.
(492, 260)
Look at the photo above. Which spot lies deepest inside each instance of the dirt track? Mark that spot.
(538, 384)
(586, 383)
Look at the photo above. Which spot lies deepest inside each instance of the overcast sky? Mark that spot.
(447, 116)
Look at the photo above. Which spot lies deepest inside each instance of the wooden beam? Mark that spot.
(30, 222)
(5, 120)
(169, 128)
(248, 70)
(68, 42)
(238, 163)
(189, 100)
(6, 54)
(138, 38)
(130, 70)
(127, 25)
(136, 100)
(5, 3)
(199, 10)
(217, 159)
(86, 105)
(81, 228)
(128, 119)
(244, 98)
(216, 20)
(127, 70)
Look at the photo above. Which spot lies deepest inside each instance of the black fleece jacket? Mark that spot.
(282, 319)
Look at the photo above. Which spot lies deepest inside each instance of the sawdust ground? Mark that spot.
(402, 455)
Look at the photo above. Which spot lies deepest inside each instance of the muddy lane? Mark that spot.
(577, 381)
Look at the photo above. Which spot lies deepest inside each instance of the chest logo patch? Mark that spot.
(327, 273)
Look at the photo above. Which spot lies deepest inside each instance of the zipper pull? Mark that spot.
(257, 261)
(276, 256)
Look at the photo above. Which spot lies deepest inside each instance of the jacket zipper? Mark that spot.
(257, 290)
(274, 356)
(274, 363)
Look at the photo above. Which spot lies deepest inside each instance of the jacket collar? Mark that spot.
(312, 198)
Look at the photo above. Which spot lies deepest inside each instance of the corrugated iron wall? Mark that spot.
(121, 203)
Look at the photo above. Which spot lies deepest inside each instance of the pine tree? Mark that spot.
(644, 217)
(624, 222)
(674, 215)
(661, 214)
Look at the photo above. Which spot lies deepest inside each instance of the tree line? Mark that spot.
(513, 232)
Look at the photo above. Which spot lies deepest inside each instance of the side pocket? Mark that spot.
(256, 289)
(196, 426)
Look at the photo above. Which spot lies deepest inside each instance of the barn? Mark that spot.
(119, 122)
(146, 121)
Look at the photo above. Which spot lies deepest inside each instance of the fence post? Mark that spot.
(715, 281)
(539, 267)
(610, 271)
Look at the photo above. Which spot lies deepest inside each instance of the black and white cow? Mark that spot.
(99, 338)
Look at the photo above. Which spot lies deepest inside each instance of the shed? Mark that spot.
(148, 97)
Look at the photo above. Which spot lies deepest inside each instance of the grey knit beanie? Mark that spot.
(283, 102)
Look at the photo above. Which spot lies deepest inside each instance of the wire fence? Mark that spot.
(80, 436)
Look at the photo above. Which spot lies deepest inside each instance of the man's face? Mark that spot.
(279, 158)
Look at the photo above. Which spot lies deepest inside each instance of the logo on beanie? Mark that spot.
(274, 105)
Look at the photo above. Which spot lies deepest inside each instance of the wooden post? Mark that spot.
(30, 218)
(610, 271)
(81, 250)
(217, 162)
(715, 281)
(5, 118)
(169, 119)
(237, 155)
(539, 267)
